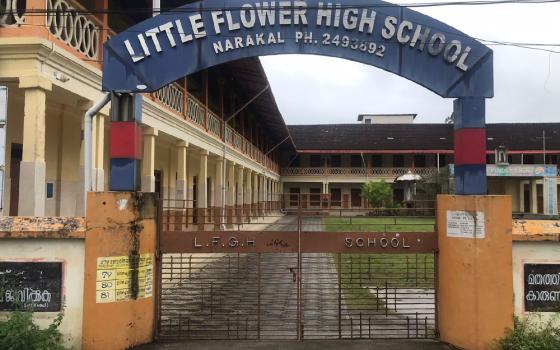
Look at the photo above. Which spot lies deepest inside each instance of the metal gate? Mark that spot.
(296, 280)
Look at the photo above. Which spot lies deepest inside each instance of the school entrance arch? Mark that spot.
(202, 272)
(394, 38)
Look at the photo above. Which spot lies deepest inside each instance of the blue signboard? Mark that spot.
(203, 34)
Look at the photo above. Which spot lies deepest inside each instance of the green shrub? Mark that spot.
(527, 335)
(19, 332)
(378, 194)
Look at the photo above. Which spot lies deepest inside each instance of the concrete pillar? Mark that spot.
(230, 192)
(148, 160)
(256, 190)
(32, 167)
(218, 193)
(181, 184)
(534, 207)
(475, 280)
(248, 197)
(201, 197)
(190, 187)
(239, 195)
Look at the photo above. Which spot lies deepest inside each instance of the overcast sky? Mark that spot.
(318, 90)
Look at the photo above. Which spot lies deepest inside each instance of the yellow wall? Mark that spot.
(475, 287)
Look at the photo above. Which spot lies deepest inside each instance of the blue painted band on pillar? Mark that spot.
(124, 175)
(470, 179)
(469, 112)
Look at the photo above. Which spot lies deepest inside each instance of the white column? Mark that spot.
(148, 160)
(202, 180)
(181, 185)
(32, 181)
(218, 191)
(240, 185)
(230, 193)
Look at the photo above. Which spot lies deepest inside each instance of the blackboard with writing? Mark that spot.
(30, 286)
(542, 287)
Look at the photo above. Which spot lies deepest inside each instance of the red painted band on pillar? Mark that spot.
(126, 140)
(470, 146)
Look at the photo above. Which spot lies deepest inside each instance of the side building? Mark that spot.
(335, 160)
(217, 129)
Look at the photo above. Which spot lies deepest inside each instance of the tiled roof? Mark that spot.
(514, 136)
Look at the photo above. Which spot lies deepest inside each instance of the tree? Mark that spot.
(378, 194)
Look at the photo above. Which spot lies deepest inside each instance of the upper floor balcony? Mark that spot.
(185, 106)
(73, 28)
(352, 173)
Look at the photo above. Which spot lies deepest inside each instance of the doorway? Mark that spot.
(15, 160)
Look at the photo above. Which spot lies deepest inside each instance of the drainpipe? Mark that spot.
(3, 122)
(88, 116)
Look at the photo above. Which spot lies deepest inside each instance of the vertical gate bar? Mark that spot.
(436, 294)
(360, 325)
(369, 327)
(211, 300)
(299, 273)
(386, 300)
(416, 324)
(190, 266)
(395, 298)
(369, 266)
(425, 268)
(407, 278)
(426, 327)
(416, 271)
(407, 327)
(259, 296)
(339, 296)
(159, 270)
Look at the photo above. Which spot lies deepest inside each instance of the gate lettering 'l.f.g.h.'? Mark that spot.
(394, 38)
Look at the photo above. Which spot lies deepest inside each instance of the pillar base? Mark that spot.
(148, 183)
(99, 180)
(32, 182)
(475, 282)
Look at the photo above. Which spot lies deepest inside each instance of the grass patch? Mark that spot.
(384, 271)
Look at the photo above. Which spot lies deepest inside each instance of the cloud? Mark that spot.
(315, 89)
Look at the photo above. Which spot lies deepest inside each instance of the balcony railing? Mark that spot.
(12, 13)
(179, 101)
(65, 22)
(357, 172)
(79, 31)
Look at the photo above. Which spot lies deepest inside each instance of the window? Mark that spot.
(315, 197)
(528, 159)
(336, 197)
(367, 121)
(356, 161)
(398, 161)
(50, 190)
(442, 160)
(377, 161)
(336, 161)
(420, 161)
(315, 161)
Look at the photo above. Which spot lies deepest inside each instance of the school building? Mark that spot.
(216, 138)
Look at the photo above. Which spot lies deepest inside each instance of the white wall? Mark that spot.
(71, 253)
(544, 252)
